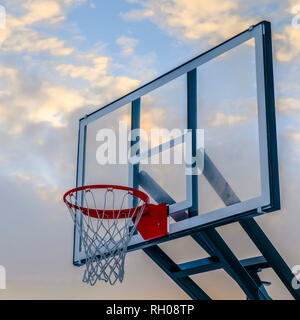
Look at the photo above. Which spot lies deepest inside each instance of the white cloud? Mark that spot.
(214, 20)
(55, 103)
(19, 36)
(291, 4)
(153, 118)
(107, 86)
(119, 85)
(294, 136)
(33, 42)
(45, 193)
(292, 141)
(221, 119)
(193, 19)
(22, 176)
(289, 106)
(138, 14)
(90, 73)
(9, 73)
(48, 102)
(127, 44)
(72, 2)
(288, 44)
(49, 11)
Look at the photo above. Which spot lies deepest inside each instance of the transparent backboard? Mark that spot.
(200, 138)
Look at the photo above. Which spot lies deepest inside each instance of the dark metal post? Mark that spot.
(232, 265)
(169, 266)
(135, 124)
(192, 124)
(265, 246)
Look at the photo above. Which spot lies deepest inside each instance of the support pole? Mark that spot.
(232, 265)
(265, 246)
(169, 266)
(192, 125)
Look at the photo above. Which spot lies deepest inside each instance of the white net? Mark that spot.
(106, 231)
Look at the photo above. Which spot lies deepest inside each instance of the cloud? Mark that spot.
(72, 2)
(127, 44)
(9, 73)
(19, 35)
(55, 103)
(221, 119)
(89, 73)
(215, 21)
(294, 136)
(292, 142)
(105, 86)
(133, 1)
(43, 11)
(288, 44)
(288, 106)
(47, 102)
(138, 14)
(153, 118)
(49, 11)
(22, 176)
(193, 19)
(292, 5)
(118, 84)
(45, 193)
(33, 42)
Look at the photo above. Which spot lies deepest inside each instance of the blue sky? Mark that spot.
(61, 59)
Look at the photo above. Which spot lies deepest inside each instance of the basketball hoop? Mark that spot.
(107, 216)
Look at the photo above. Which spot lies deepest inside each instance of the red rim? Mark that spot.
(109, 214)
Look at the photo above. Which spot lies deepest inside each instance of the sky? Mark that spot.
(62, 59)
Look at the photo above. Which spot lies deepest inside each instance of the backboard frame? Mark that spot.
(270, 196)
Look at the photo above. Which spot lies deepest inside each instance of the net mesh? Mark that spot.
(105, 236)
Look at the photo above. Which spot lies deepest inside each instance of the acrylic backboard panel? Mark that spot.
(230, 122)
(223, 101)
